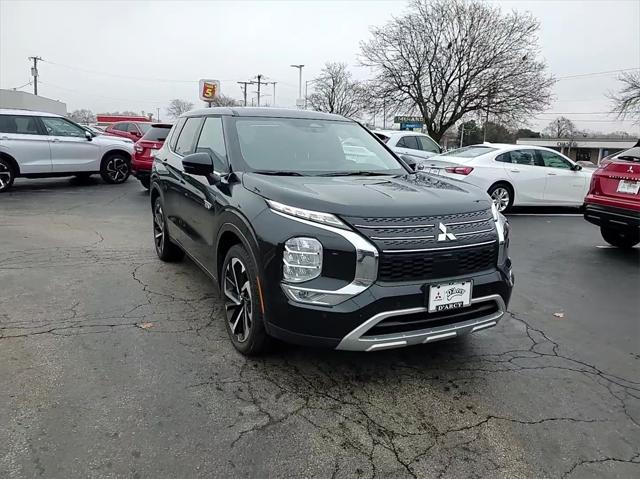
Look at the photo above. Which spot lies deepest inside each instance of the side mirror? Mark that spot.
(576, 167)
(88, 135)
(198, 164)
(410, 161)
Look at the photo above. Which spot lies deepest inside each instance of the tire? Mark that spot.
(115, 169)
(146, 182)
(620, 238)
(7, 175)
(243, 315)
(502, 196)
(166, 250)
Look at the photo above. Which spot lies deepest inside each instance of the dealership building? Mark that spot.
(21, 100)
(582, 149)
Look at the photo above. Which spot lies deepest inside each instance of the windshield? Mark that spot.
(311, 147)
(469, 151)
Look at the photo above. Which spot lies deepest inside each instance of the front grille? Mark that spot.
(410, 249)
(426, 320)
(435, 264)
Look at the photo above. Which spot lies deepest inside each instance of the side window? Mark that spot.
(62, 127)
(408, 142)
(21, 125)
(523, 157)
(187, 138)
(175, 133)
(426, 144)
(133, 128)
(504, 158)
(212, 141)
(553, 160)
(121, 126)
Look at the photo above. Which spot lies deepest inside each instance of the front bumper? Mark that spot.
(373, 320)
(611, 217)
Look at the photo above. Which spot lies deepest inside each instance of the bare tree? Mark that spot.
(561, 127)
(224, 100)
(336, 92)
(177, 107)
(626, 103)
(449, 58)
(83, 116)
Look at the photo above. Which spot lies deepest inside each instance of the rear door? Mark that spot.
(22, 138)
(407, 144)
(564, 185)
(71, 151)
(527, 175)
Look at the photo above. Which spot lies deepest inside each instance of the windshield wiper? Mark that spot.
(354, 173)
(277, 173)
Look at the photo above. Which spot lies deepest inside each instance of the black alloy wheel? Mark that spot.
(239, 288)
(165, 248)
(115, 169)
(7, 175)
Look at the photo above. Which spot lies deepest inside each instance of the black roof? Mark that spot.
(266, 113)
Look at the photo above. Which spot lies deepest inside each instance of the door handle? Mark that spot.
(515, 170)
(4, 137)
(551, 174)
(56, 140)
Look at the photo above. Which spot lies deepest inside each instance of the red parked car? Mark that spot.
(144, 150)
(613, 201)
(134, 130)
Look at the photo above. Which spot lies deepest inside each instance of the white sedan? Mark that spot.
(405, 142)
(515, 175)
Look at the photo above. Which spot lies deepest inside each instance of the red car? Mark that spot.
(134, 130)
(613, 201)
(144, 150)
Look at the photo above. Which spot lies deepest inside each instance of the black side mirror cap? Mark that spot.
(88, 135)
(576, 167)
(198, 164)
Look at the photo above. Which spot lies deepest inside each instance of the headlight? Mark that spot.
(315, 216)
(302, 259)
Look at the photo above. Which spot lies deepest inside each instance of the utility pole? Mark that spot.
(259, 77)
(34, 73)
(274, 92)
(299, 67)
(384, 113)
(461, 134)
(244, 89)
(306, 91)
(158, 114)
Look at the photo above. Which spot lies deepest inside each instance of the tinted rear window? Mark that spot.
(470, 151)
(157, 133)
(630, 155)
(18, 124)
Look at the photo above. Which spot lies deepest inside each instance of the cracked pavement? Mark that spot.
(114, 364)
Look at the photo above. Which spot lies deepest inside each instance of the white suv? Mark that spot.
(38, 145)
(404, 142)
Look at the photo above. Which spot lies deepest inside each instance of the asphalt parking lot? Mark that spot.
(114, 364)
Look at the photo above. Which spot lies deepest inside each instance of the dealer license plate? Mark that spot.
(631, 187)
(443, 297)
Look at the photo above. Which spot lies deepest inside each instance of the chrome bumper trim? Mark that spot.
(354, 341)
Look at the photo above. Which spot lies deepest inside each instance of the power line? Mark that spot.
(581, 75)
(143, 100)
(22, 86)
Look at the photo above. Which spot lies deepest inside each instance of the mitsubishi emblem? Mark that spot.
(444, 234)
(630, 170)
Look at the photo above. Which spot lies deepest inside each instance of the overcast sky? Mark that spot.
(138, 55)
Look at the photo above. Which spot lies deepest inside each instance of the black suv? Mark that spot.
(318, 234)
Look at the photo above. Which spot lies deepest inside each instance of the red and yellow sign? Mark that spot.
(209, 89)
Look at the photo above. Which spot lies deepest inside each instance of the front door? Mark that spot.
(204, 202)
(71, 150)
(564, 185)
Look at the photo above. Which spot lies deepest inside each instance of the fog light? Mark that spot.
(302, 259)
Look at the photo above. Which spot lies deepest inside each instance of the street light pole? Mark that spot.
(299, 67)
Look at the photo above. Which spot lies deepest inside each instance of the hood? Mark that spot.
(113, 140)
(417, 194)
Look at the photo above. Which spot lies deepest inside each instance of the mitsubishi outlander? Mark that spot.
(317, 234)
